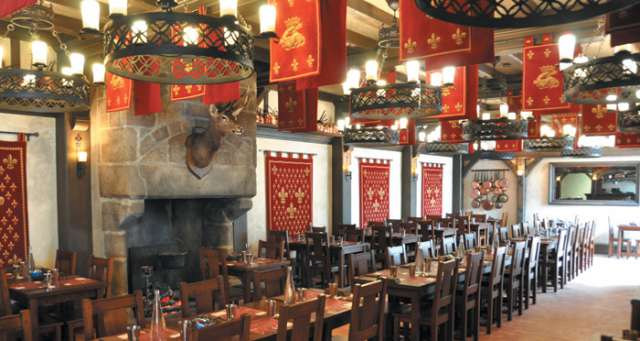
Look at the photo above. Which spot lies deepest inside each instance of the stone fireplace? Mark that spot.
(145, 196)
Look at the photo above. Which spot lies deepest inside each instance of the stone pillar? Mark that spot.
(217, 230)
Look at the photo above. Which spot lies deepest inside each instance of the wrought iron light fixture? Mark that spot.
(548, 144)
(183, 48)
(629, 121)
(586, 152)
(371, 135)
(443, 148)
(388, 101)
(495, 129)
(518, 13)
(41, 89)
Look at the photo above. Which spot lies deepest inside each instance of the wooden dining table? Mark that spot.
(621, 230)
(245, 271)
(338, 251)
(264, 327)
(34, 294)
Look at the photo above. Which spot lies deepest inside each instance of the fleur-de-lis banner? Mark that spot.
(558, 121)
(431, 189)
(14, 227)
(627, 140)
(296, 54)
(623, 26)
(297, 109)
(441, 43)
(119, 91)
(451, 131)
(374, 190)
(534, 127)
(289, 191)
(597, 120)
(542, 81)
(509, 146)
(459, 100)
(8, 7)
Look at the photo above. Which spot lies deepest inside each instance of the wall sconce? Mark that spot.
(346, 162)
(520, 167)
(414, 168)
(81, 158)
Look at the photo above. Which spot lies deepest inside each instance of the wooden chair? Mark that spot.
(442, 308)
(380, 235)
(470, 241)
(479, 218)
(514, 278)
(100, 269)
(570, 253)
(319, 229)
(360, 264)
(318, 259)
(409, 227)
(556, 263)
(213, 265)
(237, 330)
(341, 229)
(574, 271)
(300, 316)
(367, 312)
(205, 294)
(110, 316)
(416, 220)
(448, 245)
(503, 234)
(66, 262)
(5, 301)
(613, 242)
(427, 249)
(592, 245)
(269, 283)
(271, 249)
(493, 288)
(516, 231)
(394, 224)
(531, 272)
(504, 218)
(396, 255)
(351, 233)
(14, 327)
(427, 231)
(468, 299)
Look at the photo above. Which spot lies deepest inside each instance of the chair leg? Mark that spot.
(434, 332)
(527, 289)
(490, 312)
(535, 288)
(499, 310)
(520, 291)
(465, 315)
(510, 301)
(476, 322)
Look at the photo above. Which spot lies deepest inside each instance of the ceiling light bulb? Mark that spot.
(422, 136)
(448, 75)
(486, 116)
(436, 79)
(267, 18)
(118, 7)
(413, 70)
(341, 124)
(39, 51)
(90, 12)
(139, 30)
(371, 70)
(229, 7)
(525, 115)
(190, 35)
(353, 78)
(97, 69)
(611, 97)
(630, 65)
(568, 130)
(403, 122)
(512, 116)
(77, 63)
(623, 106)
(638, 94)
(612, 107)
(566, 47)
(504, 109)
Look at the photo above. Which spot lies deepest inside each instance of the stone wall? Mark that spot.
(143, 157)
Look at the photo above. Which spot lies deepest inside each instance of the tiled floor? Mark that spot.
(595, 303)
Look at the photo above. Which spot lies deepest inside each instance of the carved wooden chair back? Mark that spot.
(111, 316)
(300, 314)
(204, 293)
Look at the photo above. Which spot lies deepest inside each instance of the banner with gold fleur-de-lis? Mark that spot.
(14, 226)
(297, 109)
(289, 180)
(374, 190)
(431, 189)
(627, 140)
(598, 120)
(119, 91)
(460, 99)
(441, 43)
(451, 131)
(542, 81)
(296, 54)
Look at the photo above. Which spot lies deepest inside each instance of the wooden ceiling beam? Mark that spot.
(370, 11)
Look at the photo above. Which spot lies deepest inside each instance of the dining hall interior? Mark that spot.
(319, 170)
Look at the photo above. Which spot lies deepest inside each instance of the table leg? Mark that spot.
(342, 273)
(246, 286)
(620, 237)
(33, 311)
(415, 317)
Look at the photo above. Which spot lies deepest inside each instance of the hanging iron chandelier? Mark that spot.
(503, 128)
(518, 13)
(629, 121)
(183, 48)
(43, 89)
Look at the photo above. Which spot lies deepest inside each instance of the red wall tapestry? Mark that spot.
(14, 230)
(374, 190)
(119, 91)
(431, 189)
(289, 191)
(597, 120)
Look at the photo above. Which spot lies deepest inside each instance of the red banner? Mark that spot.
(8, 7)
(147, 98)
(14, 225)
(118, 91)
(534, 127)
(374, 190)
(289, 191)
(297, 109)
(542, 81)
(597, 120)
(296, 54)
(431, 189)
(509, 146)
(627, 140)
(623, 26)
(460, 99)
(441, 43)
(558, 122)
(451, 131)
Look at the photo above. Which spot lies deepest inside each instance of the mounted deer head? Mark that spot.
(203, 142)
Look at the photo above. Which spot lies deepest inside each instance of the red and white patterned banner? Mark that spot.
(441, 43)
(119, 92)
(374, 190)
(597, 120)
(14, 226)
(289, 191)
(296, 54)
(542, 81)
(431, 189)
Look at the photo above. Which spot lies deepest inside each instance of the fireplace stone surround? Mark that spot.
(144, 194)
